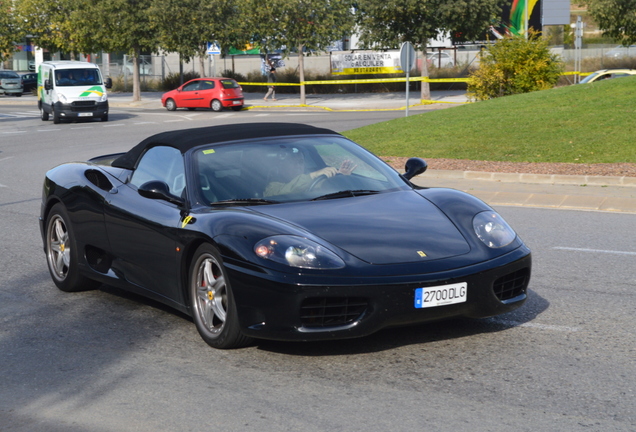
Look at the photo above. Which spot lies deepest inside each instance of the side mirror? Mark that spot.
(108, 83)
(47, 84)
(158, 190)
(413, 167)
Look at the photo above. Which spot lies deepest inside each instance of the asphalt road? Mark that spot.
(106, 360)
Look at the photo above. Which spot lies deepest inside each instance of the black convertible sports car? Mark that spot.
(278, 231)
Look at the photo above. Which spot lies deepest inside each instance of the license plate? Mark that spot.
(236, 102)
(85, 115)
(440, 295)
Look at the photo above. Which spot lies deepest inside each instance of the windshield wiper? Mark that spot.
(245, 201)
(346, 194)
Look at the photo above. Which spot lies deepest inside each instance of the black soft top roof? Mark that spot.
(185, 139)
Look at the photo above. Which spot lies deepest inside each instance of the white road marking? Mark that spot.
(115, 125)
(7, 158)
(13, 132)
(148, 122)
(597, 251)
(538, 326)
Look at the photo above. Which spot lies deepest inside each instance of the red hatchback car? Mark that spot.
(214, 93)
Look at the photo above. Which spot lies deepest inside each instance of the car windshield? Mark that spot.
(8, 74)
(289, 169)
(77, 77)
(589, 78)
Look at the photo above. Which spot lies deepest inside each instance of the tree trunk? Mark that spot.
(136, 81)
(426, 87)
(301, 73)
(202, 56)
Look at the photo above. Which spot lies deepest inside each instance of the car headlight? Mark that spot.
(297, 252)
(493, 230)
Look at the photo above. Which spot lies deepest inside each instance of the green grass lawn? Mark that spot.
(586, 123)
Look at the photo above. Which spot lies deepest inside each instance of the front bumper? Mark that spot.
(300, 308)
(81, 109)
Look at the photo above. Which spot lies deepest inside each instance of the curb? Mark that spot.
(576, 192)
(562, 179)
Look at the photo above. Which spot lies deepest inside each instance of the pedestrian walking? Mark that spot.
(271, 80)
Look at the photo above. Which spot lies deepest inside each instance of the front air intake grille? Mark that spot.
(83, 106)
(512, 285)
(83, 103)
(321, 312)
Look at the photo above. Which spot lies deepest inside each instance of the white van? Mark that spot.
(72, 90)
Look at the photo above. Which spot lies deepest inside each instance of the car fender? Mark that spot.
(461, 207)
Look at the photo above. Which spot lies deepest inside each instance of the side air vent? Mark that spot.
(319, 312)
(512, 285)
(99, 179)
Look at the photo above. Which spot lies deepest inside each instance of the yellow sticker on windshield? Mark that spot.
(210, 151)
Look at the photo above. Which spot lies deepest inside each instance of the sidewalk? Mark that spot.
(331, 102)
(611, 194)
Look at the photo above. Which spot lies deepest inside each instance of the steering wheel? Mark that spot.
(316, 181)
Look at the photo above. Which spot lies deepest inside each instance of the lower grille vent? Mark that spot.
(320, 312)
(512, 285)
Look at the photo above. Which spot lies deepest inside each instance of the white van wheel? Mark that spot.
(44, 115)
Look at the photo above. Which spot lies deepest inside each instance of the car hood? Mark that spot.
(83, 92)
(388, 228)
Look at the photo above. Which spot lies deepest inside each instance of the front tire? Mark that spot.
(61, 253)
(216, 105)
(171, 105)
(44, 115)
(213, 308)
(56, 117)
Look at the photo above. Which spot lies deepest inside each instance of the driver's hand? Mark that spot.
(327, 171)
(347, 167)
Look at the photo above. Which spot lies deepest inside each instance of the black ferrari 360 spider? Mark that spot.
(278, 231)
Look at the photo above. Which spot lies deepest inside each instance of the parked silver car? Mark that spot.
(10, 83)
(440, 59)
(622, 51)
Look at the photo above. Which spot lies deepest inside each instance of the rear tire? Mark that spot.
(212, 302)
(61, 253)
(216, 105)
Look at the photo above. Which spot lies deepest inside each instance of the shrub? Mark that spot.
(238, 77)
(122, 85)
(289, 75)
(514, 65)
(173, 80)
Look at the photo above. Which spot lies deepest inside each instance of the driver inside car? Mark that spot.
(290, 176)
